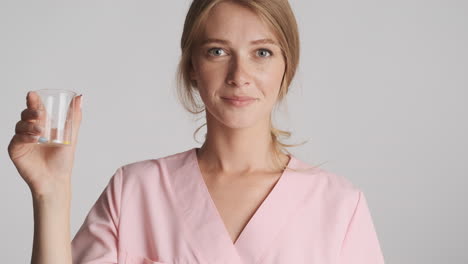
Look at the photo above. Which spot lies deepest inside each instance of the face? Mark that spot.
(231, 60)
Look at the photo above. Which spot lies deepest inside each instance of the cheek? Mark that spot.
(270, 78)
(207, 70)
(263, 76)
(211, 76)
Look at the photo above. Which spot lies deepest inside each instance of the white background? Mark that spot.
(381, 95)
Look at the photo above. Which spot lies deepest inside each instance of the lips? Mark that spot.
(239, 101)
(239, 98)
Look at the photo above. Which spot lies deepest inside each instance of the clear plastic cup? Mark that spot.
(57, 120)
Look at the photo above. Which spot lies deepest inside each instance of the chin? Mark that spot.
(235, 120)
(239, 123)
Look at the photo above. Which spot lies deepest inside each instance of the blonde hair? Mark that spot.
(278, 15)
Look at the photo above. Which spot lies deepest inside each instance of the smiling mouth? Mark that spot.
(235, 102)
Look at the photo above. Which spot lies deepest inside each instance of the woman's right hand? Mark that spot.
(46, 169)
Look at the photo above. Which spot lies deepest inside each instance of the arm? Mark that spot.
(360, 244)
(47, 173)
(97, 240)
(51, 243)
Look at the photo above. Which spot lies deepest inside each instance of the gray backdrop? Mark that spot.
(380, 94)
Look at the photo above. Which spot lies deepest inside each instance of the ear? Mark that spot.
(193, 76)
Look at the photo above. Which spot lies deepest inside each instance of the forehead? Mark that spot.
(234, 22)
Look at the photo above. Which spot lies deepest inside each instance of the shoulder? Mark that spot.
(329, 180)
(152, 169)
(332, 188)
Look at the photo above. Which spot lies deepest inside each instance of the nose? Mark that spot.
(238, 72)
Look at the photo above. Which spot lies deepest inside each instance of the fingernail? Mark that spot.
(81, 101)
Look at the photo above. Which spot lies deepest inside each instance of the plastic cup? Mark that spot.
(57, 120)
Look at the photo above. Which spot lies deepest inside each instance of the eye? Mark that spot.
(264, 53)
(217, 51)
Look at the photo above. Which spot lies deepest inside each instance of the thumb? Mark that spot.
(33, 101)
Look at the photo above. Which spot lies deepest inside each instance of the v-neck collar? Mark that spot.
(206, 229)
(215, 209)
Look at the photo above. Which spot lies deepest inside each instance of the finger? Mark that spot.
(32, 114)
(17, 143)
(73, 119)
(75, 107)
(24, 138)
(23, 127)
(33, 101)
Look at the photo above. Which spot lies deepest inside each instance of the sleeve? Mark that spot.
(360, 244)
(97, 239)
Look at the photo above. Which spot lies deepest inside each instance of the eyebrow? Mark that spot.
(227, 42)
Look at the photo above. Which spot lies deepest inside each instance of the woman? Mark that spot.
(240, 198)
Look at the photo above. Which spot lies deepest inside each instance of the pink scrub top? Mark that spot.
(160, 211)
